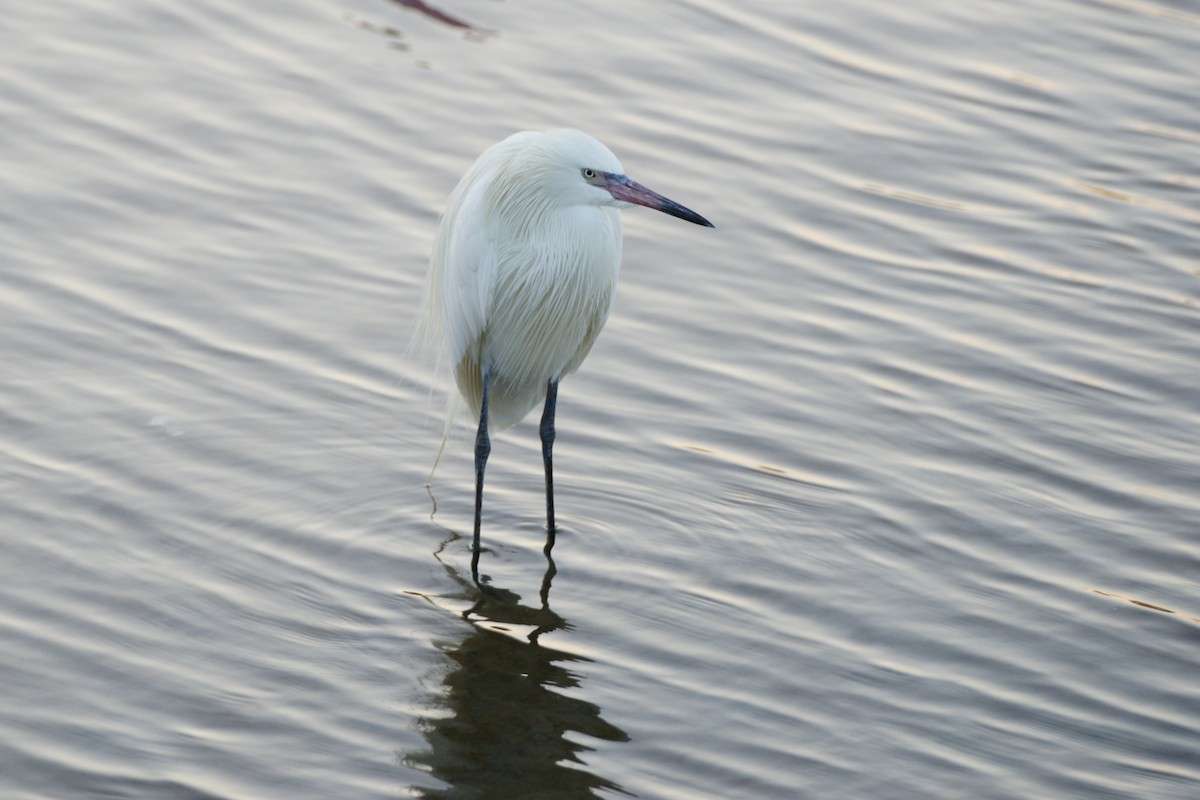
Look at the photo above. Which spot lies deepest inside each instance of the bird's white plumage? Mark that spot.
(522, 279)
(524, 268)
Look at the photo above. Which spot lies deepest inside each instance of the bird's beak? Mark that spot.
(624, 189)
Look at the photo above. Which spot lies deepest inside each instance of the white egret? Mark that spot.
(522, 278)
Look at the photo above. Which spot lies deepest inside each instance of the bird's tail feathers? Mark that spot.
(441, 449)
(455, 409)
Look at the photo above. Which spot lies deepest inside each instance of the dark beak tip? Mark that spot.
(685, 214)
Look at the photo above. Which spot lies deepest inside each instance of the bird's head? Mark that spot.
(571, 168)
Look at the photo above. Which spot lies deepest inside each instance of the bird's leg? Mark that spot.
(547, 431)
(483, 447)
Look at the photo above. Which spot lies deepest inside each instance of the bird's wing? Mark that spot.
(464, 270)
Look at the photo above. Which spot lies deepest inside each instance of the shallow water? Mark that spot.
(886, 487)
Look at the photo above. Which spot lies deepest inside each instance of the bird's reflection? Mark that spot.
(505, 724)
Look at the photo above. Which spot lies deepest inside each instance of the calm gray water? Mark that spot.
(888, 487)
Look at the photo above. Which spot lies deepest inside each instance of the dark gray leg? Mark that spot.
(547, 431)
(483, 447)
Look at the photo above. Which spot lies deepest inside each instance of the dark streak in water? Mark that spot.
(1145, 604)
(434, 13)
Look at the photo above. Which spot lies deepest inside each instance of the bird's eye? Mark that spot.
(589, 174)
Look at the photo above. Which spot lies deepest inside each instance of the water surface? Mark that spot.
(886, 487)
